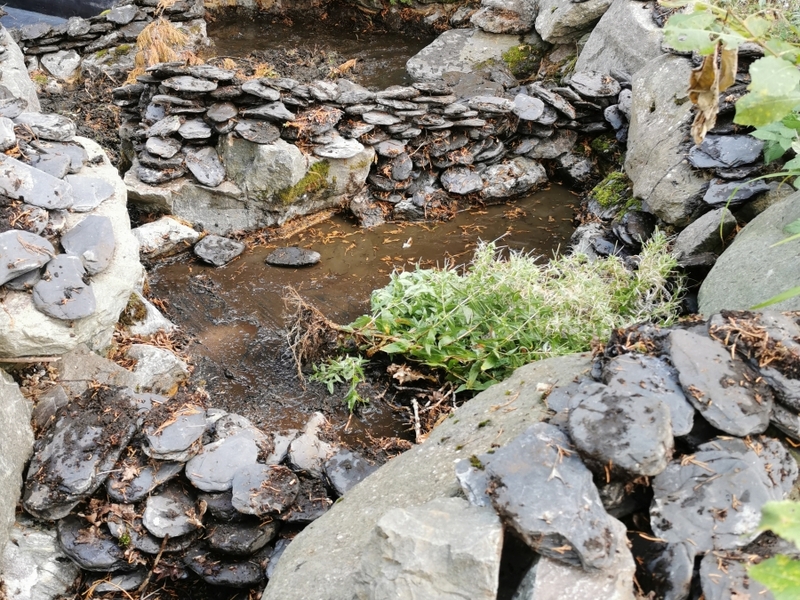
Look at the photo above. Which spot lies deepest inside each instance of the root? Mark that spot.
(310, 334)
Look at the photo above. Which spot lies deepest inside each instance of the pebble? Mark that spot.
(218, 250)
(293, 256)
(264, 489)
(170, 512)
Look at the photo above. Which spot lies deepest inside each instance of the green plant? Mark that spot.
(346, 369)
(315, 180)
(479, 324)
(614, 190)
(780, 573)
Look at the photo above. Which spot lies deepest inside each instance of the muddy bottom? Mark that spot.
(235, 314)
(316, 49)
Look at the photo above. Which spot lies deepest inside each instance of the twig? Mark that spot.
(146, 581)
(31, 359)
(417, 427)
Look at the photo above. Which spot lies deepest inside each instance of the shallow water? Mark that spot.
(236, 313)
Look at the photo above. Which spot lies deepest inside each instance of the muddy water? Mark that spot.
(381, 57)
(235, 314)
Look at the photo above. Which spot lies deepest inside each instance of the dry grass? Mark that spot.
(159, 42)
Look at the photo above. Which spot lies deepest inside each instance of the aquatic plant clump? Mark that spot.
(497, 315)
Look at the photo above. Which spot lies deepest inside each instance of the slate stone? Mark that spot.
(715, 499)
(91, 240)
(704, 235)
(91, 548)
(220, 506)
(211, 72)
(88, 192)
(24, 282)
(116, 582)
(147, 475)
(264, 489)
(242, 538)
(166, 126)
(218, 250)
(352, 93)
(323, 91)
(122, 15)
(308, 452)
(157, 175)
(11, 108)
(546, 494)
(345, 468)
(461, 180)
(55, 165)
(153, 113)
(642, 375)
(276, 554)
(8, 139)
(187, 83)
(377, 117)
(725, 577)
(474, 482)
(528, 108)
(293, 257)
(220, 571)
(733, 193)
(51, 126)
(512, 178)
(21, 252)
(673, 567)
(19, 181)
(256, 88)
(170, 512)
(726, 151)
(402, 167)
(141, 539)
(354, 129)
(276, 111)
(222, 111)
(634, 227)
(163, 147)
(62, 293)
(592, 84)
(399, 105)
(258, 132)
(490, 104)
(205, 165)
(170, 437)
(195, 129)
(74, 456)
(214, 468)
(553, 99)
(613, 115)
(63, 64)
(722, 389)
(340, 148)
(311, 503)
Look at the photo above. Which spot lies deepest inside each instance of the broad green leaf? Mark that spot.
(791, 293)
(773, 151)
(692, 31)
(763, 107)
(783, 519)
(396, 347)
(783, 49)
(792, 228)
(793, 165)
(757, 25)
(780, 574)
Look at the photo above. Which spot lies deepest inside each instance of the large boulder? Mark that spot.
(314, 567)
(25, 331)
(658, 141)
(626, 38)
(16, 445)
(564, 21)
(14, 74)
(751, 270)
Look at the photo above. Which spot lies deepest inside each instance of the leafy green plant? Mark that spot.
(346, 369)
(479, 324)
(780, 573)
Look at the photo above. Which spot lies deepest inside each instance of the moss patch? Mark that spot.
(614, 190)
(314, 181)
(122, 49)
(522, 60)
(101, 53)
(134, 311)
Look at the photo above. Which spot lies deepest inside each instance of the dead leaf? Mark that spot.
(705, 86)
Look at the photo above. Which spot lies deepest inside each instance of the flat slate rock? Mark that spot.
(187, 83)
(49, 126)
(694, 499)
(172, 437)
(117, 582)
(88, 192)
(275, 111)
(722, 389)
(311, 503)
(542, 489)
(242, 538)
(256, 88)
(219, 570)
(491, 104)
(12, 107)
(90, 547)
(292, 256)
(461, 180)
(339, 148)
(163, 147)
(528, 108)
(726, 578)
(651, 376)
(377, 117)
(593, 84)
(213, 469)
(165, 127)
(22, 252)
(218, 250)
(222, 111)
(158, 175)
(195, 129)
(733, 193)
(19, 181)
(91, 240)
(258, 132)
(205, 165)
(264, 489)
(76, 455)
(170, 512)
(726, 151)
(57, 166)
(345, 468)
(62, 292)
(212, 72)
(135, 478)
(141, 539)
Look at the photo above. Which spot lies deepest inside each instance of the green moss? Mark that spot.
(134, 312)
(122, 49)
(604, 145)
(101, 53)
(614, 190)
(314, 181)
(521, 60)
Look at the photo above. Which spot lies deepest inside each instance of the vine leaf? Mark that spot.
(774, 92)
(780, 574)
(692, 31)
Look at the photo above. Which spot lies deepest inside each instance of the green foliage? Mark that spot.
(521, 60)
(780, 137)
(347, 369)
(315, 180)
(480, 324)
(614, 190)
(780, 574)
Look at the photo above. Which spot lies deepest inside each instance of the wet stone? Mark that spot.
(187, 83)
(402, 167)
(724, 578)
(220, 506)
(214, 468)
(258, 132)
(91, 240)
(593, 84)
(135, 478)
(354, 129)
(76, 454)
(242, 538)
(377, 117)
(88, 192)
(119, 582)
(712, 382)
(275, 555)
(57, 166)
(19, 181)
(90, 547)
(48, 127)
(21, 252)
(216, 570)
(256, 88)
(62, 292)
(206, 166)
(311, 503)
(12, 107)
(165, 127)
(733, 193)
(528, 108)
(339, 148)
(692, 499)
(308, 452)
(263, 489)
(726, 151)
(211, 72)
(645, 375)
(461, 180)
(293, 256)
(170, 512)
(163, 147)
(390, 148)
(634, 228)
(275, 111)
(548, 497)
(632, 433)
(131, 525)
(410, 133)
(174, 437)
(218, 250)
(345, 468)
(222, 111)
(195, 129)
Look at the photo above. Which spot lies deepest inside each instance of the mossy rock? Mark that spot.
(314, 181)
(522, 60)
(614, 190)
(134, 312)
